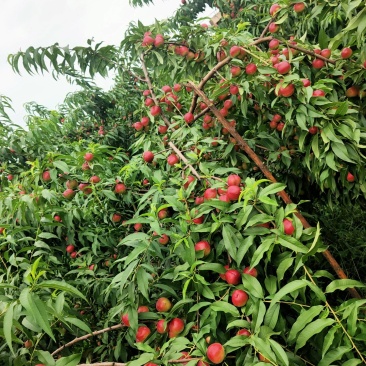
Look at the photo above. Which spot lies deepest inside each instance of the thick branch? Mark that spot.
(255, 158)
(76, 340)
(178, 152)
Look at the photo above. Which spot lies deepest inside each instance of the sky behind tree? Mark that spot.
(25, 23)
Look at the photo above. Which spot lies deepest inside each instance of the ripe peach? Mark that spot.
(215, 353)
(163, 304)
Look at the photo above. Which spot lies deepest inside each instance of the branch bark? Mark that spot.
(149, 84)
(256, 159)
(311, 53)
(178, 152)
(79, 339)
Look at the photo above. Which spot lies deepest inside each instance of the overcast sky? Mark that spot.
(25, 23)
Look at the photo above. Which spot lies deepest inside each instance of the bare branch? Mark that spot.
(178, 152)
(311, 53)
(149, 84)
(76, 340)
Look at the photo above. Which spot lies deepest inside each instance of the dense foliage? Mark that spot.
(136, 208)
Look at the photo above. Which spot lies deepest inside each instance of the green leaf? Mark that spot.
(253, 286)
(229, 241)
(323, 39)
(261, 250)
(328, 340)
(225, 307)
(62, 286)
(47, 236)
(143, 282)
(45, 357)
(235, 343)
(303, 319)
(341, 151)
(268, 201)
(342, 108)
(283, 267)
(258, 315)
(280, 353)
(272, 316)
(215, 267)
(329, 133)
(310, 330)
(122, 277)
(301, 121)
(342, 285)
(62, 166)
(329, 159)
(243, 216)
(334, 355)
(292, 243)
(144, 358)
(8, 326)
(259, 219)
(243, 248)
(72, 360)
(316, 238)
(36, 308)
(271, 189)
(315, 146)
(287, 289)
(135, 237)
(78, 323)
(352, 362)
(110, 195)
(135, 253)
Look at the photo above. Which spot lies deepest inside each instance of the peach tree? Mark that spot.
(152, 224)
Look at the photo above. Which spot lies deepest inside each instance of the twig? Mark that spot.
(136, 76)
(194, 171)
(202, 113)
(311, 53)
(266, 28)
(268, 24)
(86, 336)
(217, 67)
(149, 84)
(184, 361)
(338, 320)
(256, 159)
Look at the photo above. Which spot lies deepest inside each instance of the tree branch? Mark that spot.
(311, 53)
(76, 340)
(178, 152)
(217, 67)
(149, 84)
(256, 159)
